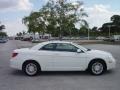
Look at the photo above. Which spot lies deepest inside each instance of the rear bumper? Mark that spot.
(15, 64)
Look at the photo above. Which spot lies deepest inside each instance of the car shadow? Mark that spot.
(60, 73)
(110, 72)
(17, 73)
(64, 73)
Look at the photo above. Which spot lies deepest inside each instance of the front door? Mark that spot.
(67, 58)
(46, 57)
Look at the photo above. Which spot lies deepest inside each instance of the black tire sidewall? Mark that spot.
(24, 68)
(90, 68)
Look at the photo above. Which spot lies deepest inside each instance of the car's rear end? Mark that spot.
(17, 59)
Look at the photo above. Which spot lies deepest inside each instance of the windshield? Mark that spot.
(80, 47)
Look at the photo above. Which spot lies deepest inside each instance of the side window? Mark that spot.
(50, 46)
(66, 47)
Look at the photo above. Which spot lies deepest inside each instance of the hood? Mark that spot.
(99, 52)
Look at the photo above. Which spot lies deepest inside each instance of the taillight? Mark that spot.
(14, 54)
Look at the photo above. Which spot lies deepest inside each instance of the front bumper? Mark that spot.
(111, 64)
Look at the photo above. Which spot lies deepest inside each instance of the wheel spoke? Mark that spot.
(31, 69)
(97, 68)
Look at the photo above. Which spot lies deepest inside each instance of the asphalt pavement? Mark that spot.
(11, 79)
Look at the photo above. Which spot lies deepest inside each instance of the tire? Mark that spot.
(31, 68)
(97, 67)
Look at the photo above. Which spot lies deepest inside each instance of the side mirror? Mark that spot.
(79, 51)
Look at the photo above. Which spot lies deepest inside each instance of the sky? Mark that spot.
(12, 12)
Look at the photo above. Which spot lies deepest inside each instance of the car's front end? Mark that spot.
(111, 62)
(103, 55)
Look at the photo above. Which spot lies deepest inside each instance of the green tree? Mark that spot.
(3, 34)
(2, 27)
(57, 18)
(31, 23)
(83, 30)
(114, 26)
(19, 34)
(115, 19)
(95, 31)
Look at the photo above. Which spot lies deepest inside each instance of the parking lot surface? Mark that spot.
(11, 79)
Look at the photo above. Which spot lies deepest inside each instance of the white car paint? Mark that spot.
(60, 61)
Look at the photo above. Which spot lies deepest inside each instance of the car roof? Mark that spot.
(47, 42)
(57, 41)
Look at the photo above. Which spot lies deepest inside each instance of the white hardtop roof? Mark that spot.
(57, 41)
(47, 42)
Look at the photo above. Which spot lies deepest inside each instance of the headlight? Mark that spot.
(111, 58)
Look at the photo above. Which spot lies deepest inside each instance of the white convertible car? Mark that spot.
(61, 56)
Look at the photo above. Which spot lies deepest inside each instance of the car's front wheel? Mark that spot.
(97, 67)
(31, 68)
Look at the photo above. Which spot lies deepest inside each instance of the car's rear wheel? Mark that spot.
(31, 68)
(97, 67)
